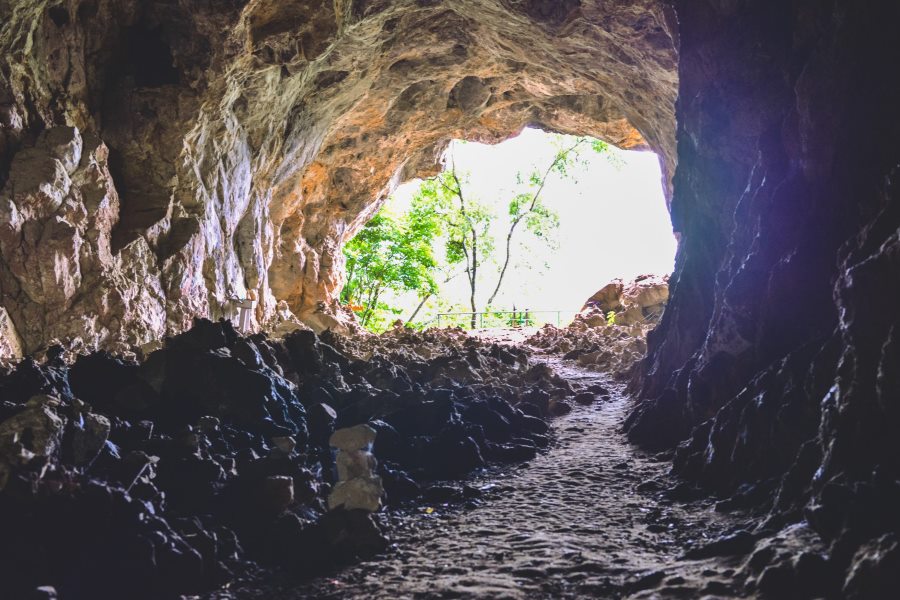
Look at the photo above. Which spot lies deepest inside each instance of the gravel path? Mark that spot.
(585, 519)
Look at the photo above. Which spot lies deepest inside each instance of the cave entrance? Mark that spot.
(545, 221)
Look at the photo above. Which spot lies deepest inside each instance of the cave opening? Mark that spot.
(745, 445)
(545, 219)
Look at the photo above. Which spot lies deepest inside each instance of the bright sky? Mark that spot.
(613, 222)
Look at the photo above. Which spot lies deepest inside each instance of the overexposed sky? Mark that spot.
(613, 222)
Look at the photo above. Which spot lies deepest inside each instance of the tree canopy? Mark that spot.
(390, 253)
(403, 253)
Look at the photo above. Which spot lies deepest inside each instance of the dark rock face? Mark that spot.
(776, 359)
(168, 476)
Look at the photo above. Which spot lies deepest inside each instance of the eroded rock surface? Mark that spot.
(609, 334)
(641, 300)
(172, 474)
(613, 349)
(774, 369)
(590, 518)
(247, 140)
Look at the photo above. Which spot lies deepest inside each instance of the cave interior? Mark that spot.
(159, 160)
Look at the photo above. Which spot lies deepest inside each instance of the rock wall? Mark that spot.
(776, 358)
(642, 299)
(159, 159)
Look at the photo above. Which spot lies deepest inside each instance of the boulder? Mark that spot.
(35, 431)
(354, 463)
(277, 493)
(359, 493)
(607, 298)
(88, 438)
(353, 438)
(208, 433)
(643, 298)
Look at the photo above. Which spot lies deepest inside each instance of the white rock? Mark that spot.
(352, 438)
(10, 344)
(355, 463)
(362, 493)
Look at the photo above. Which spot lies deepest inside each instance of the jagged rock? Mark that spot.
(89, 438)
(206, 446)
(351, 439)
(874, 569)
(398, 486)
(10, 344)
(35, 431)
(610, 348)
(359, 493)
(606, 299)
(188, 163)
(321, 419)
(639, 300)
(284, 444)
(211, 162)
(277, 493)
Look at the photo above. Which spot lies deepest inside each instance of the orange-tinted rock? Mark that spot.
(248, 140)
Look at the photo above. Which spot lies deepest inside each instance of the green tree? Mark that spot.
(467, 220)
(397, 254)
(528, 206)
(390, 253)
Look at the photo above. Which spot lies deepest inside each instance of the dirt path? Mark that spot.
(572, 523)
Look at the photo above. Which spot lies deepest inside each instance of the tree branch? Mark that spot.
(515, 223)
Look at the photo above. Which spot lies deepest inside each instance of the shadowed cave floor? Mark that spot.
(588, 518)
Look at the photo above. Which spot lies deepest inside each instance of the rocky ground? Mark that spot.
(185, 469)
(205, 468)
(220, 466)
(600, 347)
(609, 334)
(589, 518)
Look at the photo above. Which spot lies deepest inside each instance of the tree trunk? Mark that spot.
(473, 274)
(512, 227)
(471, 261)
(371, 304)
(418, 308)
(505, 262)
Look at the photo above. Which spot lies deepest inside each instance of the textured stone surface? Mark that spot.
(59, 277)
(776, 358)
(200, 453)
(158, 159)
(354, 438)
(641, 299)
(10, 344)
(248, 139)
(359, 493)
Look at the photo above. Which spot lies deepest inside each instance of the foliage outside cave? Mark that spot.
(446, 233)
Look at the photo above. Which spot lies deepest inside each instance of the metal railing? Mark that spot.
(502, 319)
